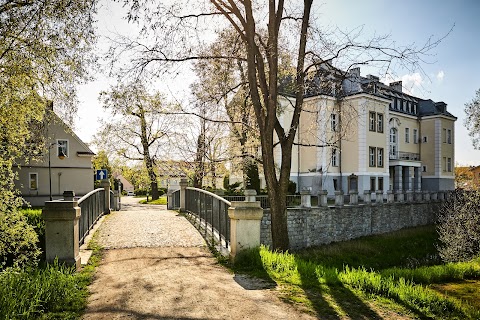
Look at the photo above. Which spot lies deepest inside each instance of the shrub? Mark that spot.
(18, 241)
(459, 226)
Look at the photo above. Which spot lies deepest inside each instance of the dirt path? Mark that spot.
(158, 267)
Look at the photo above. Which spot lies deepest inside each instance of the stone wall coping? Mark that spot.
(245, 213)
(61, 210)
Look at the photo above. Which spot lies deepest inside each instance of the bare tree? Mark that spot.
(176, 35)
(139, 129)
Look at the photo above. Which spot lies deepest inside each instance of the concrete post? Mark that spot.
(399, 195)
(105, 184)
(116, 196)
(322, 198)
(183, 193)
(367, 197)
(250, 195)
(441, 195)
(169, 199)
(339, 198)
(434, 196)
(353, 197)
(390, 196)
(409, 194)
(426, 195)
(245, 219)
(306, 200)
(61, 232)
(379, 197)
(68, 195)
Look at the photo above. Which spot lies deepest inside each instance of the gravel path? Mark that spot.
(158, 267)
(147, 226)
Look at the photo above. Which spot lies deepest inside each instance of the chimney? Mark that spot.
(372, 77)
(397, 85)
(354, 72)
(441, 106)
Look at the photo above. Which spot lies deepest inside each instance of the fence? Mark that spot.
(210, 211)
(92, 207)
(292, 200)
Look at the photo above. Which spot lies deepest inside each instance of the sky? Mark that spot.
(451, 74)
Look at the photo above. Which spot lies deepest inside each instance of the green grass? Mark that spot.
(161, 200)
(362, 277)
(51, 291)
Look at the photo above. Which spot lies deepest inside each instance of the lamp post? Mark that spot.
(61, 156)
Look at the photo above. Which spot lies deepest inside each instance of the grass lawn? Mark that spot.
(161, 200)
(385, 276)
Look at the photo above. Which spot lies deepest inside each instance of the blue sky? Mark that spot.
(452, 74)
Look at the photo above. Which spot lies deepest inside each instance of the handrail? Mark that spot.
(89, 194)
(216, 196)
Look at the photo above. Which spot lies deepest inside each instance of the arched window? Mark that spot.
(393, 143)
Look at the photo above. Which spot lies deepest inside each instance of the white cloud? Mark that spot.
(440, 75)
(410, 82)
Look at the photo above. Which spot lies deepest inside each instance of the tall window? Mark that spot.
(393, 143)
(379, 122)
(372, 183)
(444, 135)
(449, 164)
(333, 122)
(62, 147)
(33, 181)
(449, 136)
(379, 157)
(407, 135)
(334, 158)
(444, 163)
(372, 121)
(415, 136)
(380, 183)
(408, 107)
(372, 156)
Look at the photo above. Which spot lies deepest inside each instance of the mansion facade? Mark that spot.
(376, 137)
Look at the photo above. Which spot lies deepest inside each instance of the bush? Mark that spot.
(18, 241)
(292, 187)
(459, 226)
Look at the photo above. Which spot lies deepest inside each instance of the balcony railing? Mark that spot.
(401, 155)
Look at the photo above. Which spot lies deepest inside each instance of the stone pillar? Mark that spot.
(353, 197)
(322, 198)
(61, 232)
(306, 200)
(408, 179)
(367, 197)
(379, 197)
(183, 193)
(116, 196)
(339, 198)
(105, 184)
(409, 195)
(399, 195)
(169, 199)
(418, 195)
(397, 181)
(434, 196)
(417, 178)
(390, 196)
(245, 219)
(250, 195)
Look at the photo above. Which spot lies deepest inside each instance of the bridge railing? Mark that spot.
(211, 213)
(92, 207)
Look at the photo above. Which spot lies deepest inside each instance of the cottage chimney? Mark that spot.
(397, 85)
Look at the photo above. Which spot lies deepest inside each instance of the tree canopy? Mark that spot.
(472, 119)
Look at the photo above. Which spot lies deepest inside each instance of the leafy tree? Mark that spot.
(459, 226)
(285, 24)
(472, 119)
(138, 129)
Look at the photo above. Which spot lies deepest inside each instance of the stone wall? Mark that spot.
(321, 225)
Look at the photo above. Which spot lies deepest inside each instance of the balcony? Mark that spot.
(401, 155)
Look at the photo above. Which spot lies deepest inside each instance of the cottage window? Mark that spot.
(33, 181)
(62, 147)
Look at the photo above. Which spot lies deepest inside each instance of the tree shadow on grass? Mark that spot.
(325, 296)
